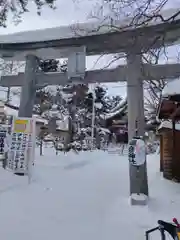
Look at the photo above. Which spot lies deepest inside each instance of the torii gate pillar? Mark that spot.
(28, 90)
(136, 121)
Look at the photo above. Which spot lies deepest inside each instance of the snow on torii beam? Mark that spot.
(106, 38)
(150, 72)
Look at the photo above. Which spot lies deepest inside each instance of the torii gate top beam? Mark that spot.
(150, 72)
(98, 39)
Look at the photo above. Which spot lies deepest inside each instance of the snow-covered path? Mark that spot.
(81, 197)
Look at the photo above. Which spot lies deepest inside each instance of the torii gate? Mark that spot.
(90, 39)
(118, 74)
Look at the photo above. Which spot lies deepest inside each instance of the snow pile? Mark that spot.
(82, 196)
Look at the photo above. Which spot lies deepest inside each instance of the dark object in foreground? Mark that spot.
(172, 229)
(19, 174)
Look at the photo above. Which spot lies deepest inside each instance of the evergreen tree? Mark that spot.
(49, 65)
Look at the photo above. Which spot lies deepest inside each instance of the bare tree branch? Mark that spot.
(18, 7)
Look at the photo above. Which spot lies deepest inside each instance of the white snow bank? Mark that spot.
(80, 30)
(172, 88)
(168, 124)
(82, 196)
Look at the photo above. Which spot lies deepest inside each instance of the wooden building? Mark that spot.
(169, 131)
(117, 122)
(169, 150)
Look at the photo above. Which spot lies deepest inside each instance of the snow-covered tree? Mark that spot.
(43, 101)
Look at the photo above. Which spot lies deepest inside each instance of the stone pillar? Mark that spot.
(28, 90)
(136, 119)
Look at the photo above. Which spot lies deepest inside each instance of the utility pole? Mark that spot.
(93, 118)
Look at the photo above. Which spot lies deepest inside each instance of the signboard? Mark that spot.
(22, 146)
(22, 126)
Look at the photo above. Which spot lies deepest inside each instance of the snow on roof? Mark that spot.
(80, 30)
(39, 119)
(120, 105)
(172, 88)
(63, 124)
(49, 137)
(87, 129)
(110, 115)
(152, 121)
(121, 108)
(168, 124)
(105, 130)
(13, 112)
(150, 110)
(10, 111)
(67, 96)
(98, 105)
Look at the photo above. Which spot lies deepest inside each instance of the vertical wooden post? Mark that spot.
(161, 153)
(174, 170)
(28, 91)
(136, 117)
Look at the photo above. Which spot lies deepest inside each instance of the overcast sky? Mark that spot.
(67, 12)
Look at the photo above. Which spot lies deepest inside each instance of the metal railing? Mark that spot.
(172, 228)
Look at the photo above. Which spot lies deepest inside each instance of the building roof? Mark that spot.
(172, 88)
(12, 112)
(168, 125)
(169, 106)
(119, 109)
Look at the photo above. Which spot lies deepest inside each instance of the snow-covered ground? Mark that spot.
(82, 197)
